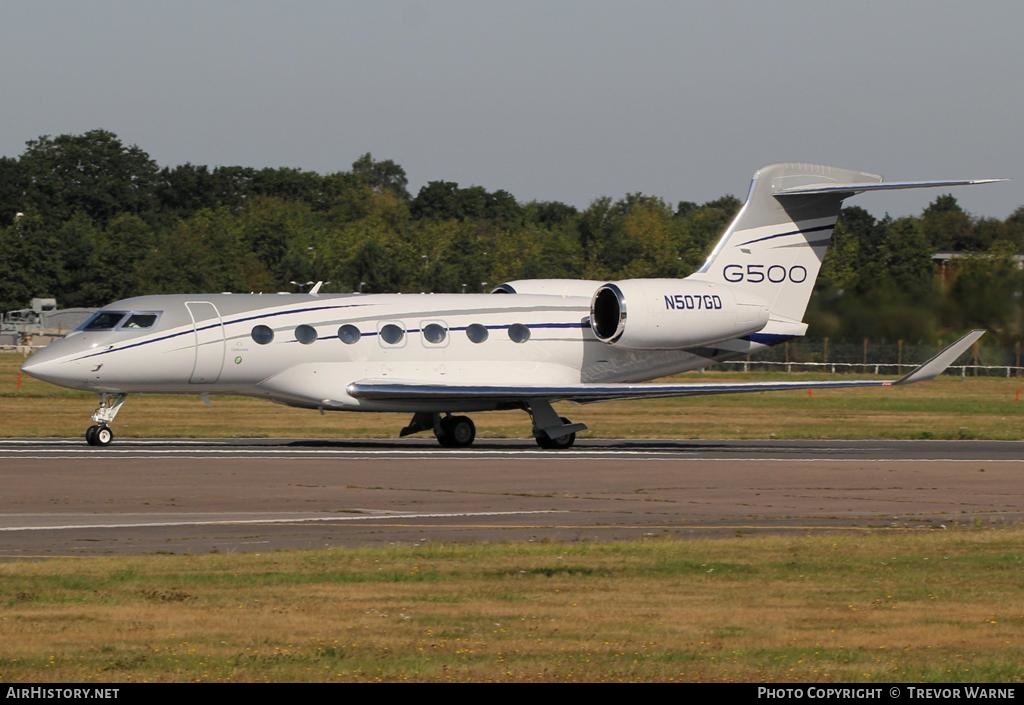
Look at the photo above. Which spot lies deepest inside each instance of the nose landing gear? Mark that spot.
(100, 433)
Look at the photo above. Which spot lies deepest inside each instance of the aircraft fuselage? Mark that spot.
(304, 350)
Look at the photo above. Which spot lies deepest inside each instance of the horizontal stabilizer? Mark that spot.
(852, 188)
(451, 395)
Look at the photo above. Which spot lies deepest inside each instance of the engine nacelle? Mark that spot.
(668, 314)
(551, 287)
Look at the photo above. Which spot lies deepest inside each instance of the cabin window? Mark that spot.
(476, 333)
(349, 334)
(434, 333)
(262, 334)
(140, 320)
(305, 334)
(518, 333)
(103, 320)
(392, 334)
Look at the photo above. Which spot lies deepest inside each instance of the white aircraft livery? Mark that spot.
(540, 341)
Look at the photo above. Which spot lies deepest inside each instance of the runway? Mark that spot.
(61, 497)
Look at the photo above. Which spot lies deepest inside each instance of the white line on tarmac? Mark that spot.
(293, 520)
(251, 454)
(523, 456)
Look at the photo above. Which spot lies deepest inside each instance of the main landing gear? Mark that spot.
(450, 431)
(456, 432)
(100, 433)
(551, 431)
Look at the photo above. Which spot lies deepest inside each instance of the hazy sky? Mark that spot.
(549, 99)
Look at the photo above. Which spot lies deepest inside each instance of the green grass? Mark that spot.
(949, 407)
(881, 606)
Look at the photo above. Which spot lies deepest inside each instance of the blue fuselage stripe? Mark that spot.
(502, 326)
(219, 324)
(792, 232)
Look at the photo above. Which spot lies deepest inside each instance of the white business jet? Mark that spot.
(542, 341)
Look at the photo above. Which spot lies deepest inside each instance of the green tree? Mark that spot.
(94, 173)
(290, 185)
(283, 236)
(986, 292)
(76, 241)
(705, 225)
(549, 213)
(12, 190)
(947, 227)
(437, 200)
(206, 252)
(185, 189)
(383, 175)
(30, 264)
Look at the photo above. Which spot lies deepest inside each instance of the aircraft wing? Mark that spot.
(585, 393)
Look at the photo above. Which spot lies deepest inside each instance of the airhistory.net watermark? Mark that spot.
(48, 693)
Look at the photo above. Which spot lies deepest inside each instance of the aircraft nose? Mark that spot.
(48, 366)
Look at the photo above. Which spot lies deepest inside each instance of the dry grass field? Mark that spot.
(880, 606)
(949, 407)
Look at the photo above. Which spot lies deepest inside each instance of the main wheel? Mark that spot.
(560, 443)
(90, 435)
(457, 432)
(103, 436)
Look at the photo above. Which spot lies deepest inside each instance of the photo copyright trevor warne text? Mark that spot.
(907, 692)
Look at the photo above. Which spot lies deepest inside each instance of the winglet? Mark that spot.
(940, 362)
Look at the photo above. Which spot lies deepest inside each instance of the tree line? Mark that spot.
(88, 219)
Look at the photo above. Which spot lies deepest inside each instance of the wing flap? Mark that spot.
(581, 393)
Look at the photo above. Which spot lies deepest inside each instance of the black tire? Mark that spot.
(462, 431)
(560, 443)
(457, 432)
(104, 436)
(90, 435)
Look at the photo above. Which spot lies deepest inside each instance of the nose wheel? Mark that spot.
(99, 434)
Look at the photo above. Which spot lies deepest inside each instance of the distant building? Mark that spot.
(945, 262)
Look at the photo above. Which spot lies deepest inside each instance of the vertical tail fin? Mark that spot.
(774, 247)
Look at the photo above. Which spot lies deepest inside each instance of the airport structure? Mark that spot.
(39, 324)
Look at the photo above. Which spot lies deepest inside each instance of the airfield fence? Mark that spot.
(986, 358)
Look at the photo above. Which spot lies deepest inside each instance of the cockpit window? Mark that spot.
(140, 320)
(103, 320)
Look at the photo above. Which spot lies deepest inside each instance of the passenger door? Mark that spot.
(209, 342)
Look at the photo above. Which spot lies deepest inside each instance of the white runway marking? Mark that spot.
(522, 456)
(292, 520)
(622, 451)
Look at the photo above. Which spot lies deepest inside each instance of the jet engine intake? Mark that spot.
(671, 314)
